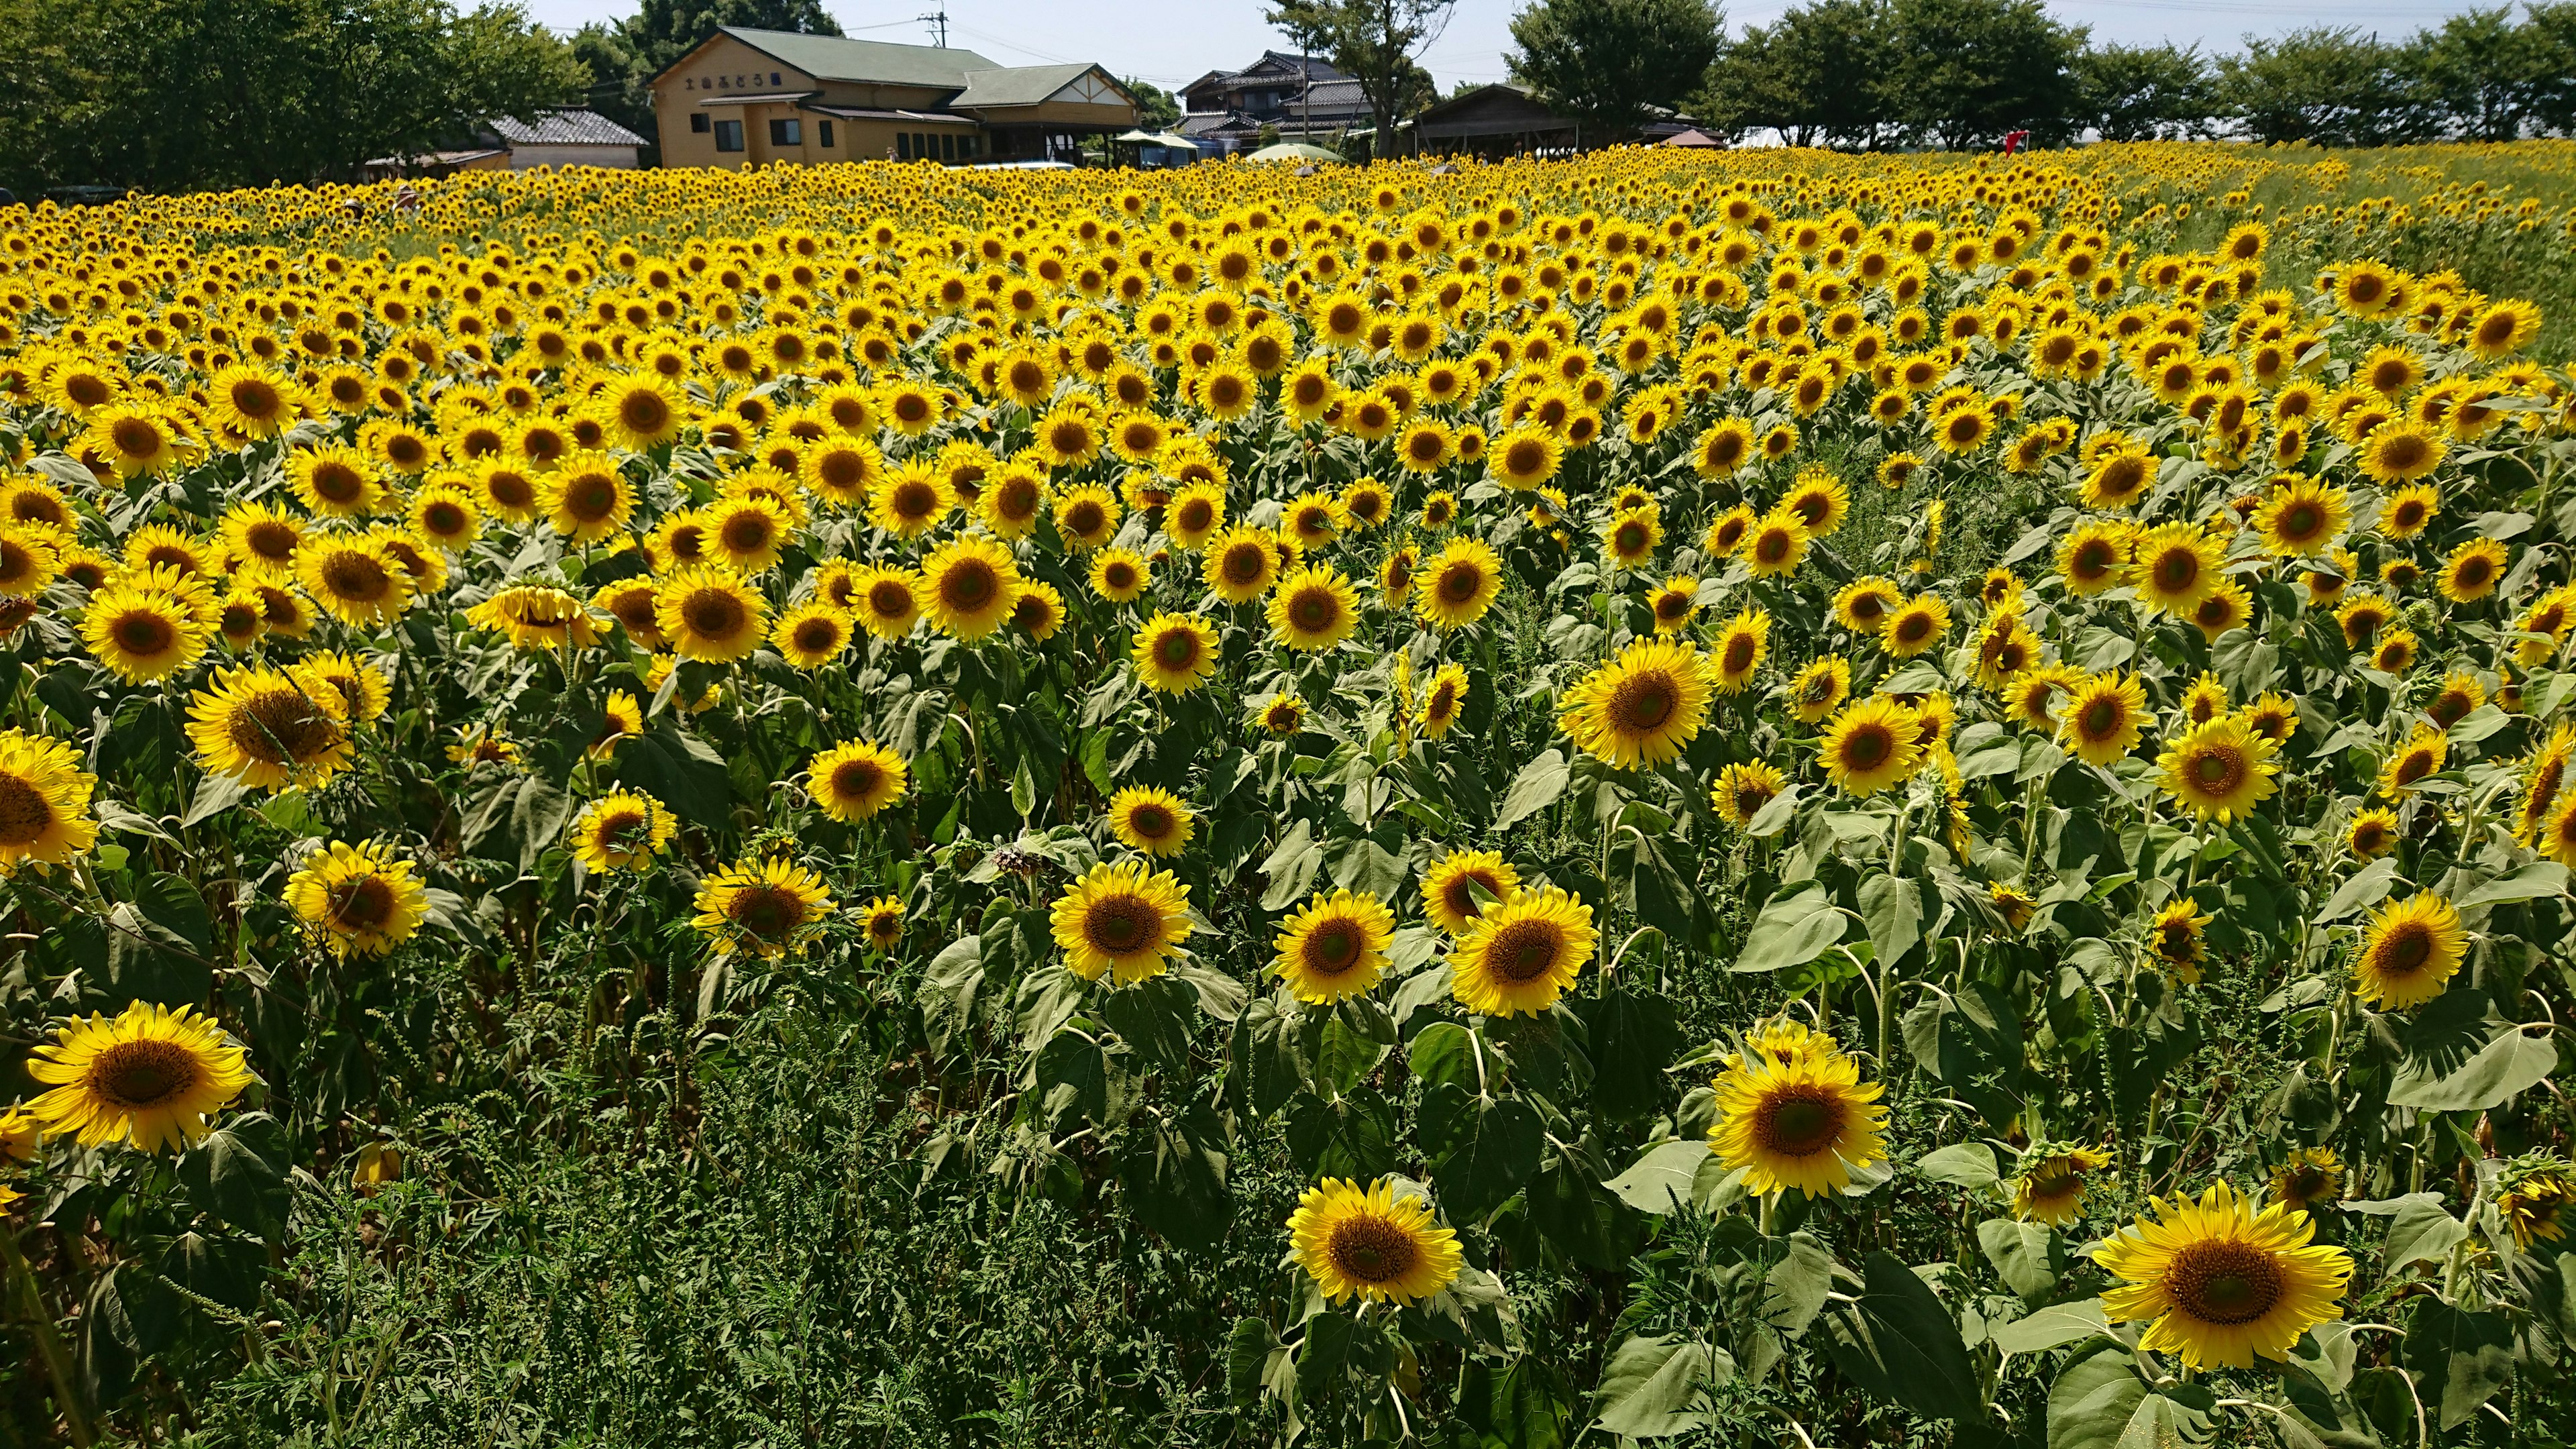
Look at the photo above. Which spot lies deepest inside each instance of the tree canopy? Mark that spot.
(1605, 62)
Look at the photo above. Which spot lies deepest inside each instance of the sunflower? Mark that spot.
(1522, 953)
(362, 898)
(622, 830)
(2425, 752)
(709, 614)
(1175, 653)
(1281, 715)
(1449, 888)
(1776, 545)
(2176, 566)
(2400, 452)
(2409, 952)
(2095, 556)
(1442, 701)
(1803, 1121)
(2301, 516)
(142, 634)
(1152, 820)
(2274, 716)
(886, 600)
(1120, 920)
(1915, 626)
(1642, 707)
(1862, 606)
(148, 1078)
(766, 907)
(356, 578)
(2220, 1282)
(744, 534)
(1742, 644)
(1742, 790)
(2013, 903)
(1674, 604)
(1524, 457)
(1334, 946)
(44, 801)
(2174, 941)
(2532, 1195)
(2049, 1181)
(1870, 745)
(1371, 1244)
(587, 498)
(1313, 608)
(811, 634)
(2372, 833)
(362, 689)
(1119, 575)
(2394, 652)
(2103, 717)
(1818, 500)
(1240, 565)
(267, 729)
(2545, 781)
(2472, 571)
(2310, 1178)
(535, 616)
(2118, 477)
(1458, 584)
(855, 780)
(1820, 688)
(2225, 607)
(2219, 770)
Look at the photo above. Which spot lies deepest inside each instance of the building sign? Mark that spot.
(729, 82)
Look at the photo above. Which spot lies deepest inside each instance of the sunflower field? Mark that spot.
(1774, 799)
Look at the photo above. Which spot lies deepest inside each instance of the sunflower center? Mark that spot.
(713, 613)
(2177, 569)
(280, 726)
(137, 1074)
(2414, 767)
(356, 577)
(591, 497)
(1177, 650)
(25, 814)
(1315, 610)
(766, 911)
(363, 904)
(1643, 701)
(2218, 771)
(1371, 1249)
(746, 533)
(1739, 654)
(2406, 949)
(815, 635)
(1524, 950)
(1867, 748)
(145, 635)
(1121, 925)
(2224, 1282)
(1799, 1122)
(2100, 718)
(1333, 947)
(617, 826)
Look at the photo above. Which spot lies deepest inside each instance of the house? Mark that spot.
(505, 143)
(1296, 97)
(747, 97)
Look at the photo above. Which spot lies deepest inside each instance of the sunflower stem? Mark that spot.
(49, 1343)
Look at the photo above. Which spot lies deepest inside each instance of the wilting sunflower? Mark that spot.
(1334, 946)
(362, 898)
(1641, 708)
(148, 1078)
(1872, 744)
(766, 907)
(2219, 770)
(2425, 752)
(1152, 820)
(1175, 653)
(1458, 584)
(1313, 608)
(622, 830)
(1743, 789)
(2301, 517)
(2532, 1195)
(1442, 701)
(709, 614)
(2311, 1177)
(1521, 954)
(1449, 889)
(2409, 952)
(2174, 940)
(2103, 717)
(2177, 565)
(2220, 1282)
(1820, 688)
(267, 729)
(1371, 1244)
(44, 801)
(2472, 570)
(1804, 1122)
(535, 616)
(2049, 1181)
(356, 578)
(811, 635)
(855, 780)
(1121, 920)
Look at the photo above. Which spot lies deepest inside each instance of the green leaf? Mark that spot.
(239, 1174)
(2368, 887)
(1291, 867)
(2534, 881)
(1444, 1052)
(1899, 1343)
(2422, 1231)
(2094, 1398)
(1175, 1173)
(1650, 1389)
(1633, 1038)
(1481, 1149)
(1660, 1182)
(1799, 1285)
(1073, 1080)
(2460, 1358)
(2027, 1256)
(1154, 1018)
(1251, 1353)
(2508, 1065)
(1324, 1354)
(947, 992)
(215, 795)
(1962, 1164)
(1795, 927)
(2056, 1324)
(1351, 1136)
(1892, 907)
(678, 769)
(1535, 788)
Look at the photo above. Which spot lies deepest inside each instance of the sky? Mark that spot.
(1170, 42)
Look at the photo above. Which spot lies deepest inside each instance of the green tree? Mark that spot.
(2335, 87)
(2550, 31)
(1374, 42)
(1604, 62)
(1967, 72)
(2144, 92)
(2478, 72)
(1156, 109)
(1813, 75)
(624, 55)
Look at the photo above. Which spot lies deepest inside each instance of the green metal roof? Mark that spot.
(1019, 85)
(839, 58)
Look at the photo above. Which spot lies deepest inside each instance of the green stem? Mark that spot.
(49, 1344)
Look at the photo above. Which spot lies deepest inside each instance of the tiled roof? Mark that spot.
(564, 128)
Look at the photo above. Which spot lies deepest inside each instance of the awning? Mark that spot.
(1180, 143)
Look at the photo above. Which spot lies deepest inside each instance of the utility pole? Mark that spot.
(939, 25)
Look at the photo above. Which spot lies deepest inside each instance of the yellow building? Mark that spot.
(750, 97)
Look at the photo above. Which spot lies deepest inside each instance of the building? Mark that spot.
(750, 97)
(505, 143)
(1296, 97)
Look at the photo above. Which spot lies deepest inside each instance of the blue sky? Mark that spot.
(1172, 41)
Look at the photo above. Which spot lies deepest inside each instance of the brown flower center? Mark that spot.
(1371, 1249)
(282, 726)
(139, 1074)
(1121, 925)
(1798, 1121)
(1524, 951)
(25, 814)
(2224, 1282)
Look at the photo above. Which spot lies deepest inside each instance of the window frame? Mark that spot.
(729, 131)
(786, 131)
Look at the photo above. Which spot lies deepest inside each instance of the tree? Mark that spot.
(1374, 42)
(623, 56)
(1156, 110)
(2478, 72)
(1968, 72)
(2144, 92)
(2332, 87)
(1814, 75)
(2550, 31)
(1603, 62)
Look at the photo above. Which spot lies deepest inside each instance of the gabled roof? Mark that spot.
(839, 58)
(1273, 62)
(1028, 85)
(563, 128)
